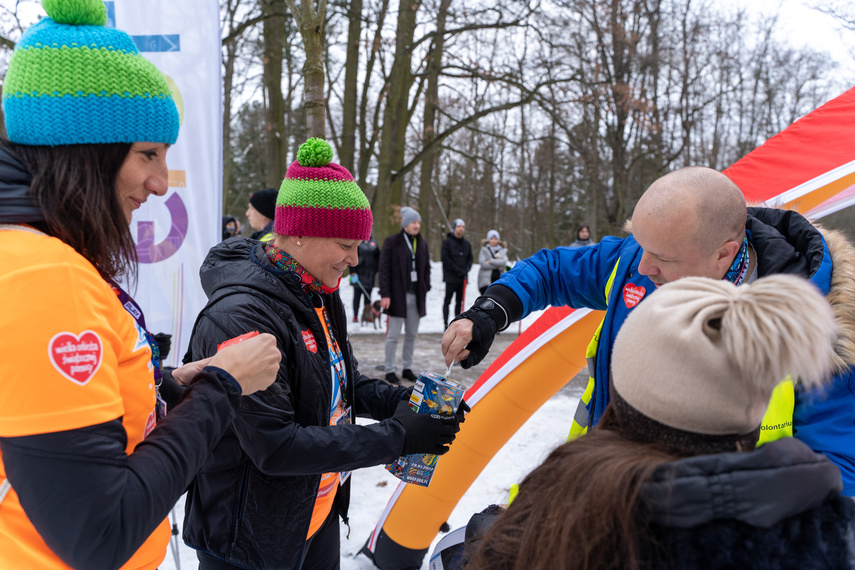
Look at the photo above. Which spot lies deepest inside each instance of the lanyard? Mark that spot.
(335, 356)
(135, 311)
(412, 247)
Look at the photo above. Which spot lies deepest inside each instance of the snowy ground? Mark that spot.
(372, 487)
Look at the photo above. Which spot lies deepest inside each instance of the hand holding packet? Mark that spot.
(436, 395)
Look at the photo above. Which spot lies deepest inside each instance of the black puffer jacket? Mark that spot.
(369, 263)
(777, 507)
(252, 502)
(456, 256)
(16, 204)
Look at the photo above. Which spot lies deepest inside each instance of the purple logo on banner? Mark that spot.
(150, 252)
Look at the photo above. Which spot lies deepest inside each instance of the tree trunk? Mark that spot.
(228, 79)
(347, 155)
(273, 30)
(429, 123)
(394, 128)
(311, 20)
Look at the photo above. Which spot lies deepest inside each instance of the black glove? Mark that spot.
(463, 409)
(164, 343)
(426, 433)
(483, 333)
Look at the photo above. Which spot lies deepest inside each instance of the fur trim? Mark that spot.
(841, 296)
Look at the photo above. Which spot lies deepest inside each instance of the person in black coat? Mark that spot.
(273, 492)
(363, 276)
(456, 255)
(670, 478)
(404, 280)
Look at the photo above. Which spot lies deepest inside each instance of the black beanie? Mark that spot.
(265, 202)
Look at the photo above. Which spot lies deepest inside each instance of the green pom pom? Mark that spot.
(314, 152)
(76, 12)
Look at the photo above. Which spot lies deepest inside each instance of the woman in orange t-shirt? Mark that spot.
(86, 479)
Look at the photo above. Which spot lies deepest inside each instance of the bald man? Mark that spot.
(691, 222)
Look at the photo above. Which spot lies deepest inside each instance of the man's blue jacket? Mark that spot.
(785, 242)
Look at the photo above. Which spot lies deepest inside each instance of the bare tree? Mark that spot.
(310, 16)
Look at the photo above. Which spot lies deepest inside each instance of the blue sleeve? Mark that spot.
(824, 419)
(574, 277)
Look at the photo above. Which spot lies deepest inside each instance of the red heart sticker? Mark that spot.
(149, 424)
(632, 294)
(77, 357)
(310, 341)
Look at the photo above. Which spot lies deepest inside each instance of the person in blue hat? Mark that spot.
(90, 464)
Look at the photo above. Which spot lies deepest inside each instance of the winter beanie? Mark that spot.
(408, 216)
(73, 81)
(265, 202)
(457, 222)
(319, 198)
(491, 234)
(703, 356)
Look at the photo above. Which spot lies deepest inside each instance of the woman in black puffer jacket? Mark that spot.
(272, 493)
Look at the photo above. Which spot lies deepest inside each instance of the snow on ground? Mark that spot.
(432, 321)
(372, 487)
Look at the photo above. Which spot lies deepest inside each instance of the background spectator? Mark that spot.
(404, 282)
(583, 236)
(231, 227)
(364, 275)
(260, 213)
(456, 256)
(493, 260)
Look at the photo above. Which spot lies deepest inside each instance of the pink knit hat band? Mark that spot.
(343, 223)
(331, 171)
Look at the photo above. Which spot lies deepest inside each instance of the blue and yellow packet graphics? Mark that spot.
(432, 394)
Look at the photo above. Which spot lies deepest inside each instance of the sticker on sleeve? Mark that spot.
(77, 357)
(149, 424)
(632, 294)
(310, 341)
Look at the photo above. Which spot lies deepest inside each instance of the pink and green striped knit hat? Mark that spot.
(319, 198)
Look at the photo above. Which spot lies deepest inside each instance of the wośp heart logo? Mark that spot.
(632, 294)
(77, 357)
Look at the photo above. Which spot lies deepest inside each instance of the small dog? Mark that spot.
(371, 314)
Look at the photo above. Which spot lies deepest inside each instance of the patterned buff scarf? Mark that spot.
(739, 268)
(285, 262)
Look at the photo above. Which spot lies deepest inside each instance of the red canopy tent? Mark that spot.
(809, 166)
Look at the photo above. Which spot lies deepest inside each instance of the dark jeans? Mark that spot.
(322, 551)
(456, 290)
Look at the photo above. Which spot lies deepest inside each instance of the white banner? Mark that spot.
(174, 233)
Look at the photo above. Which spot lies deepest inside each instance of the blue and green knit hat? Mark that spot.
(73, 81)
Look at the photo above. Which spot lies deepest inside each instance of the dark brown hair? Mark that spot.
(75, 187)
(579, 509)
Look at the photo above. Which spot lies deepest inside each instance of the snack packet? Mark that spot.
(432, 394)
(236, 340)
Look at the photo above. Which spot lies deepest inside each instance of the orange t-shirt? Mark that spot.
(72, 357)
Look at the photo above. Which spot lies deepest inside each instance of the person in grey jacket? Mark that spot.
(493, 260)
(678, 481)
